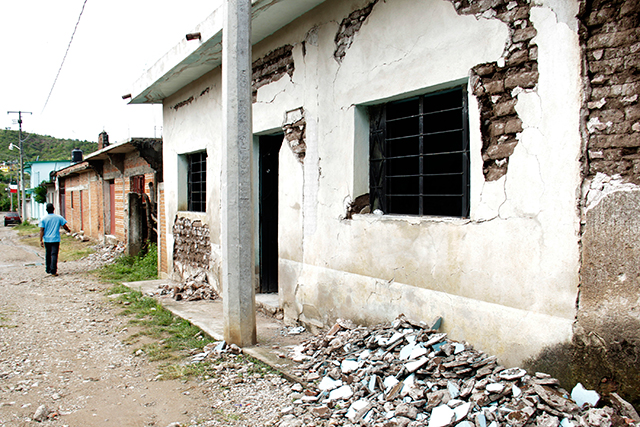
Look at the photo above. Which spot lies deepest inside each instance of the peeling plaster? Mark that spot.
(603, 185)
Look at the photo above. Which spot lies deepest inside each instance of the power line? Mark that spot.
(65, 56)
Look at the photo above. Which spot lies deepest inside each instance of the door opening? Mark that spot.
(269, 149)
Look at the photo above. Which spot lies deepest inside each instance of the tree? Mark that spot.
(40, 193)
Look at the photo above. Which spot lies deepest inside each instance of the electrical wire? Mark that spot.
(65, 56)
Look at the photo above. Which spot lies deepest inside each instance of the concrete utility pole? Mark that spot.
(23, 209)
(238, 294)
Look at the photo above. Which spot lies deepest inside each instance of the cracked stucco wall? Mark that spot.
(496, 276)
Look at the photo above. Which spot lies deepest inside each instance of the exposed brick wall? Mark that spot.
(348, 29)
(191, 244)
(493, 83)
(164, 266)
(611, 35)
(271, 68)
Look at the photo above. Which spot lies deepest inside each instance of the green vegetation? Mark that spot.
(36, 147)
(171, 337)
(40, 193)
(41, 147)
(132, 268)
(5, 202)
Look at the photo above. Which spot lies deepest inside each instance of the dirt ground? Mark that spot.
(61, 345)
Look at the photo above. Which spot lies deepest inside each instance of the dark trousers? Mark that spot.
(51, 257)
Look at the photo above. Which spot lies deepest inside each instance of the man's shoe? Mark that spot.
(54, 274)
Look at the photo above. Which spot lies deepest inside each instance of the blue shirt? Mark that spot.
(51, 224)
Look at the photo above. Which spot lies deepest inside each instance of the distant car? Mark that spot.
(12, 218)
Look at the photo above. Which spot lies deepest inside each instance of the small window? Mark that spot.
(197, 182)
(419, 155)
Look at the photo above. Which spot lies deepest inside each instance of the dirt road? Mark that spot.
(61, 345)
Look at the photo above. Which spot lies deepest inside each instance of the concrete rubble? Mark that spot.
(195, 287)
(104, 254)
(409, 374)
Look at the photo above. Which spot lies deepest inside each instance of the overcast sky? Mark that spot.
(115, 42)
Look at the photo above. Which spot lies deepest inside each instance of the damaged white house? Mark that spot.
(470, 159)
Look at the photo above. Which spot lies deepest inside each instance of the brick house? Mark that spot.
(473, 159)
(111, 194)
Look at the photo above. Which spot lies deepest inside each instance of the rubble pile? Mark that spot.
(195, 287)
(409, 374)
(104, 254)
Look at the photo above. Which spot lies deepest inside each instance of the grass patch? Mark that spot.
(132, 268)
(26, 228)
(173, 336)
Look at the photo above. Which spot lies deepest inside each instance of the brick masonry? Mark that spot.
(610, 33)
(271, 68)
(493, 83)
(162, 247)
(348, 29)
(191, 244)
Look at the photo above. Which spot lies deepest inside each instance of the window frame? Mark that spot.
(197, 177)
(379, 160)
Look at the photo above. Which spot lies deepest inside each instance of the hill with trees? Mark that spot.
(41, 147)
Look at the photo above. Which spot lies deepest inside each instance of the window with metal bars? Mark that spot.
(419, 155)
(197, 182)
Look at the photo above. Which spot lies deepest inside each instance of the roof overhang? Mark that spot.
(190, 60)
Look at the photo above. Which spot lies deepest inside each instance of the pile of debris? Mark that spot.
(409, 374)
(195, 287)
(104, 254)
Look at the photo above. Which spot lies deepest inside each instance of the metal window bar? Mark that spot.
(379, 178)
(197, 182)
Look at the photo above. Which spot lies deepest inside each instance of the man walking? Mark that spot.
(50, 238)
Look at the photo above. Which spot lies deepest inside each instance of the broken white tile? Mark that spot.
(390, 381)
(441, 416)
(329, 383)
(512, 374)
(396, 337)
(373, 381)
(341, 393)
(364, 355)
(516, 390)
(581, 396)
(355, 407)
(349, 365)
(481, 420)
(566, 422)
(418, 351)
(495, 387)
(465, 424)
(435, 338)
(406, 351)
(416, 364)
(462, 410)
(453, 390)
(458, 348)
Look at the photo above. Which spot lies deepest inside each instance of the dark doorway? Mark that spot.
(269, 149)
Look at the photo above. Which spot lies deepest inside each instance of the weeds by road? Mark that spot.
(132, 268)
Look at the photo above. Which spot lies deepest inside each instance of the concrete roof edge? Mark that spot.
(190, 60)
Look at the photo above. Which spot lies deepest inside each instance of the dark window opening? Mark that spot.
(419, 155)
(197, 182)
